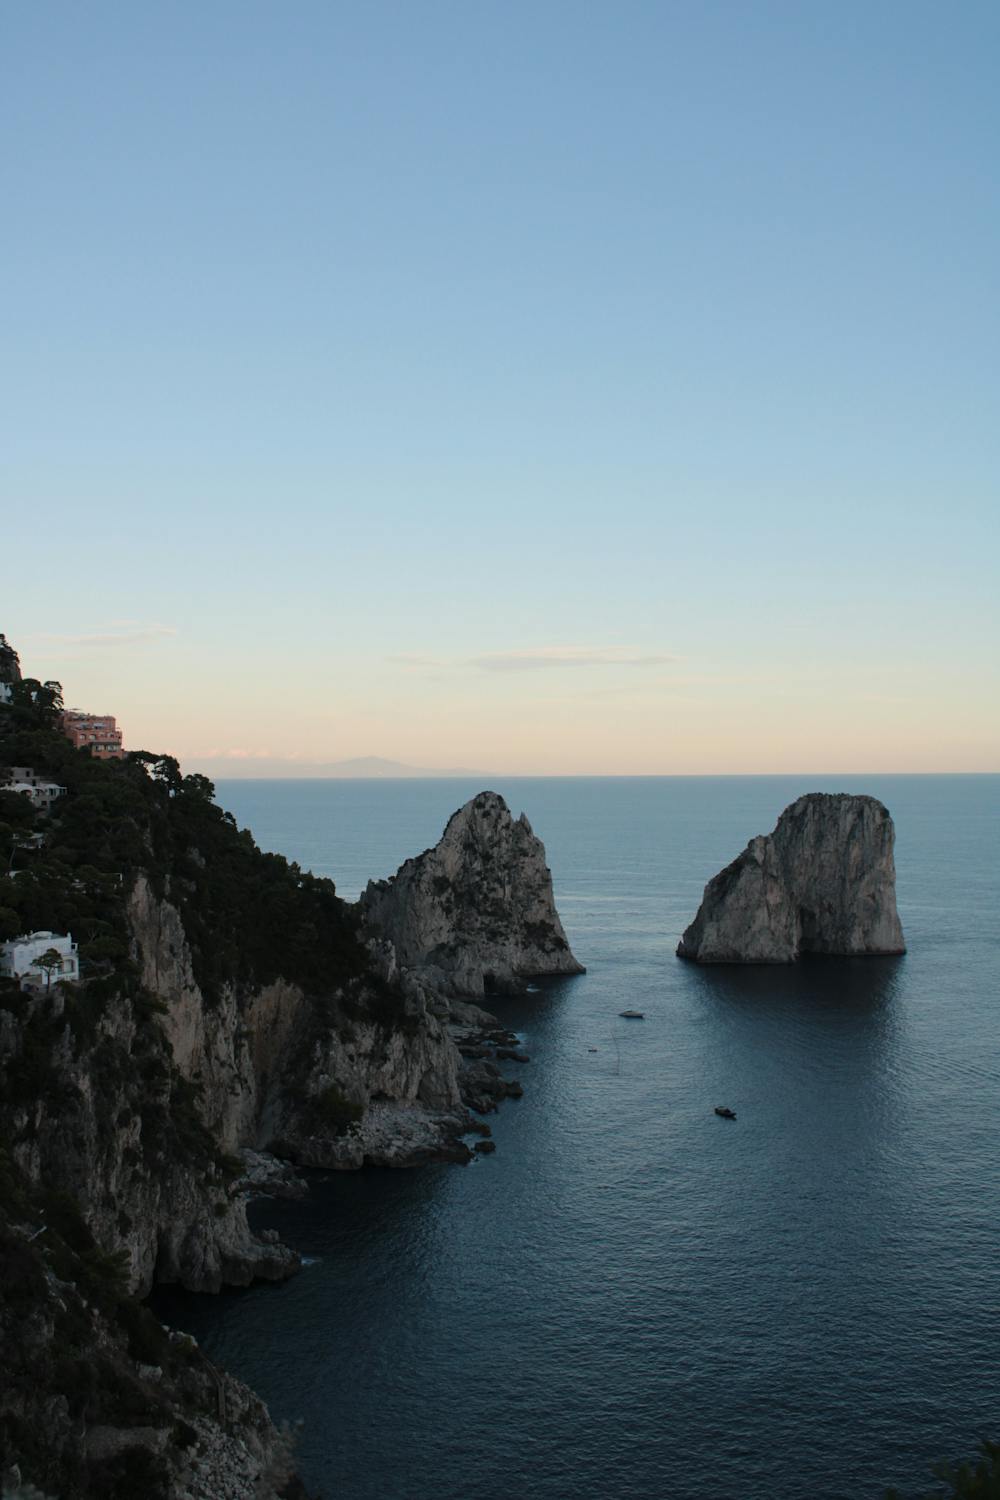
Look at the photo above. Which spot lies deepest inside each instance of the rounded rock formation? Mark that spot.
(823, 882)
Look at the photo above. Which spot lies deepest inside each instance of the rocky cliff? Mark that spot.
(136, 1096)
(357, 1076)
(231, 1001)
(823, 882)
(476, 913)
(97, 1398)
(93, 1108)
(235, 1049)
(121, 1105)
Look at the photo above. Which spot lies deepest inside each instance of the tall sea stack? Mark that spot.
(823, 882)
(475, 914)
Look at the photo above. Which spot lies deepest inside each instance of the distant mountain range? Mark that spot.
(368, 766)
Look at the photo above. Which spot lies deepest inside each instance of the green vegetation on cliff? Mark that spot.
(249, 917)
(73, 1343)
(99, 1129)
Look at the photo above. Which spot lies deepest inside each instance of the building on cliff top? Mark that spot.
(94, 732)
(19, 959)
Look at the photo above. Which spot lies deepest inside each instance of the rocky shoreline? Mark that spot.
(335, 1087)
(237, 1023)
(398, 1135)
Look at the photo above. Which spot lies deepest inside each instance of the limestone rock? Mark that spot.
(476, 913)
(191, 1431)
(401, 1084)
(265, 1176)
(148, 1099)
(823, 882)
(261, 1056)
(170, 1211)
(236, 1050)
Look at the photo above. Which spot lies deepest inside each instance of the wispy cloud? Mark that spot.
(555, 658)
(539, 658)
(416, 663)
(121, 633)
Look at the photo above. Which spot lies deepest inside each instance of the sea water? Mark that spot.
(634, 1299)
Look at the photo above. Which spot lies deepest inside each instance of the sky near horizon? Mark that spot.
(540, 388)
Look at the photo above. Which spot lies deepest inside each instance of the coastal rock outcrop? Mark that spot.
(823, 882)
(117, 1130)
(234, 1051)
(228, 1002)
(475, 914)
(97, 1397)
(340, 1081)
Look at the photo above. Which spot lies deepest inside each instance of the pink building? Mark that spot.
(94, 732)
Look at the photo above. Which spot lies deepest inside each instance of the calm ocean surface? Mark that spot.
(633, 1299)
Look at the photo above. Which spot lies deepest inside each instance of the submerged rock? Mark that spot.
(476, 913)
(823, 882)
(484, 1088)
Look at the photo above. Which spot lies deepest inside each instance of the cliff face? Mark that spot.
(823, 882)
(338, 1082)
(97, 1398)
(230, 1001)
(236, 1050)
(475, 913)
(108, 1122)
(133, 1103)
(118, 1102)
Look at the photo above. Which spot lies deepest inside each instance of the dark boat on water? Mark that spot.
(725, 1112)
(633, 1015)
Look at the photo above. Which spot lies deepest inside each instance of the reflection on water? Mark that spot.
(634, 1297)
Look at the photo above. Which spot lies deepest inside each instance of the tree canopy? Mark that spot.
(249, 916)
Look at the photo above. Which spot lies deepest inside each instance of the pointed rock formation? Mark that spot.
(475, 913)
(823, 882)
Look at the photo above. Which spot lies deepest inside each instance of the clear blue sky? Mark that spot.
(543, 386)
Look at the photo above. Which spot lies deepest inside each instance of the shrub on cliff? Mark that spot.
(330, 1111)
(70, 1338)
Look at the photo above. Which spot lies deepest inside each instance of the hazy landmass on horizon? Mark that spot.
(360, 766)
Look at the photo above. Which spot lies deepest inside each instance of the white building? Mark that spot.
(41, 793)
(19, 959)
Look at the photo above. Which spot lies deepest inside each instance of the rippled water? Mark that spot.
(633, 1298)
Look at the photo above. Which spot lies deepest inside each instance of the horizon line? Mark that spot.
(607, 776)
